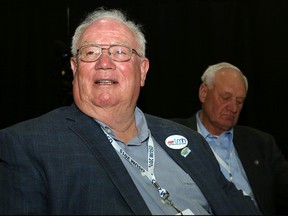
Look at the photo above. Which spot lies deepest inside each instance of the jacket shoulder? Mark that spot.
(157, 123)
(51, 119)
(241, 129)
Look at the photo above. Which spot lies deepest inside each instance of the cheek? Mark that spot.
(219, 107)
(83, 79)
(240, 108)
(85, 71)
(132, 74)
(214, 102)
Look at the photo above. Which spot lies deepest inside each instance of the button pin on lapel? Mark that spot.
(185, 151)
(256, 162)
(176, 142)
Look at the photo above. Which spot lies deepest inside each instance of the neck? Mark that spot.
(120, 120)
(123, 124)
(213, 130)
(124, 128)
(127, 134)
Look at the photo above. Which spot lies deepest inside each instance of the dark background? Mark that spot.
(184, 37)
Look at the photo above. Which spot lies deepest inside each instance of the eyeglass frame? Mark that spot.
(109, 53)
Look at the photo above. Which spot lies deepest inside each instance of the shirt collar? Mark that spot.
(205, 133)
(141, 125)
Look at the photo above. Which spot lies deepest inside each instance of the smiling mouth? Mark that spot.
(106, 82)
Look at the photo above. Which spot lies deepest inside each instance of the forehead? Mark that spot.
(108, 31)
(230, 80)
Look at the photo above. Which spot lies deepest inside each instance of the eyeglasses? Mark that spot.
(119, 53)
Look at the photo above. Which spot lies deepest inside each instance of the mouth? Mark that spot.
(106, 82)
(230, 117)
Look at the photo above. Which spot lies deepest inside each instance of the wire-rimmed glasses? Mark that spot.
(92, 52)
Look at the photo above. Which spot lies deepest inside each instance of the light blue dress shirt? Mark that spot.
(226, 154)
(184, 192)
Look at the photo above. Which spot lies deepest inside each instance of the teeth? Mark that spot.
(105, 82)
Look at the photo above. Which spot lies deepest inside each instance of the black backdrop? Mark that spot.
(184, 37)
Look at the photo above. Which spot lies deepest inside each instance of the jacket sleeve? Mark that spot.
(21, 185)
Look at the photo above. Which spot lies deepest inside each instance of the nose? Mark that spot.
(105, 61)
(233, 106)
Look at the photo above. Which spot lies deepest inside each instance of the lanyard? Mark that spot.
(226, 166)
(164, 194)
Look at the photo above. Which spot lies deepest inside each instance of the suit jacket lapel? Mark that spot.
(96, 141)
(250, 159)
(197, 164)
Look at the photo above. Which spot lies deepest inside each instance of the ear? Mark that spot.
(144, 70)
(203, 89)
(74, 65)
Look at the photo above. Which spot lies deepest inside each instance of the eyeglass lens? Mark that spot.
(116, 52)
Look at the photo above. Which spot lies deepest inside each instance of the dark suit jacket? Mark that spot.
(264, 164)
(63, 163)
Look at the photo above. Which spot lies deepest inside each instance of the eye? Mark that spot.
(119, 50)
(91, 52)
(240, 101)
(225, 97)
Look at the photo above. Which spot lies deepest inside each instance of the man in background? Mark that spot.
(248, 157)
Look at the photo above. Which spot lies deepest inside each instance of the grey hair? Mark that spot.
(118, 15)
(209, 73)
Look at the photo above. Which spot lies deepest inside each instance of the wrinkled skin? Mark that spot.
(222, 105)
(105, 89)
